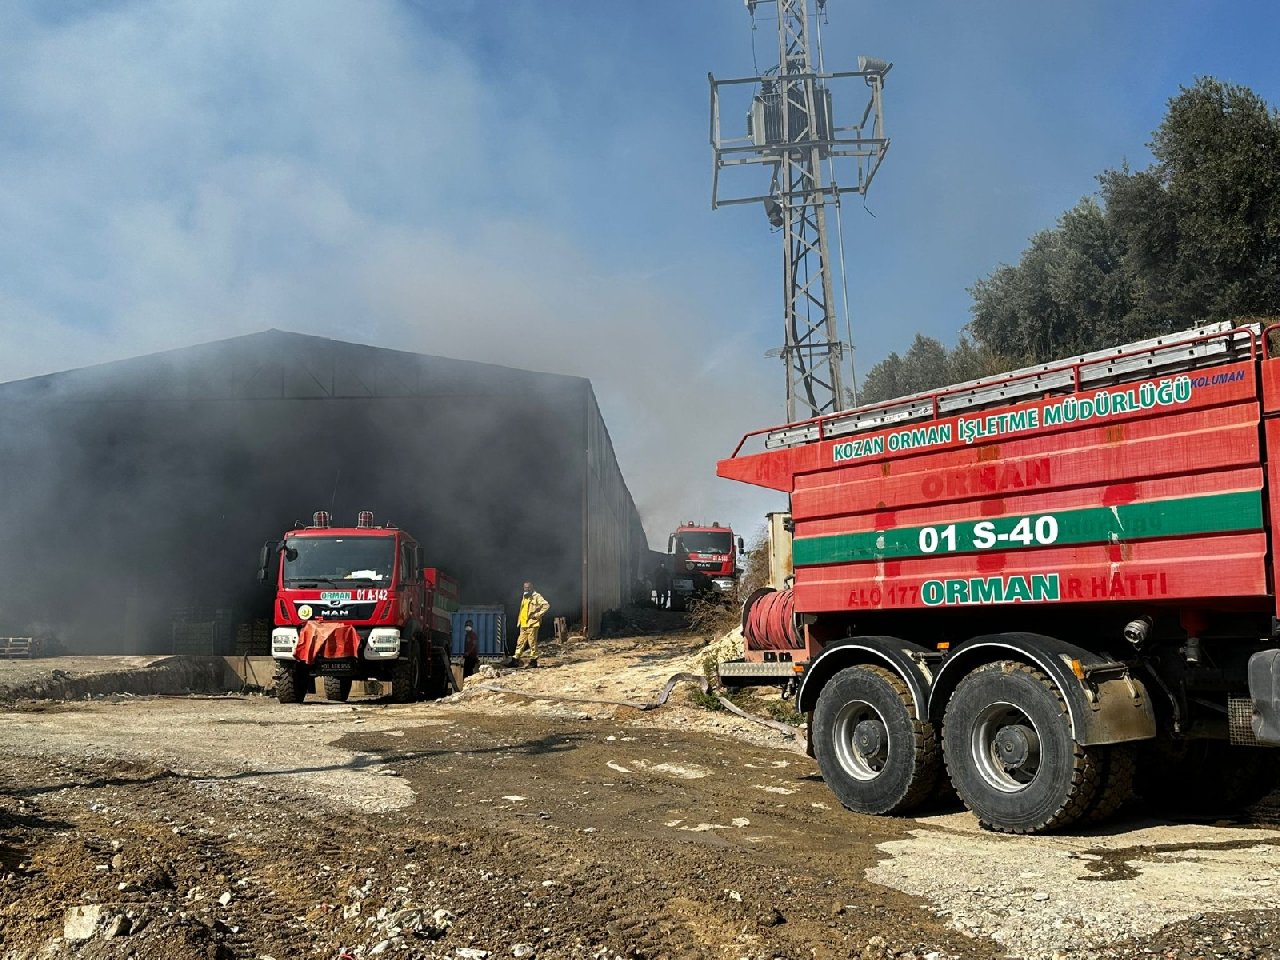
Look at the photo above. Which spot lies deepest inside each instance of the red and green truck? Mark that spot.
(357, 603)
(1047, 590)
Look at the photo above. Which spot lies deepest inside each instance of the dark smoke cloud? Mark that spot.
(136, 491)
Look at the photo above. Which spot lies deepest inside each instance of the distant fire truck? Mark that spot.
(357, 603)
(702, 560)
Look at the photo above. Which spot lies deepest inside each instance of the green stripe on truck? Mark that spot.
(1155, 519)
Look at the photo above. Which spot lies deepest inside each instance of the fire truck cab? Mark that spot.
(357, 603)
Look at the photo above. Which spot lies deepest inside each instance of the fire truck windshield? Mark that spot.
(338, 559)
(707, 542)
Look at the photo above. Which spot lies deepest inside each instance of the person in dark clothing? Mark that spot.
(470, 650)
(662, 585)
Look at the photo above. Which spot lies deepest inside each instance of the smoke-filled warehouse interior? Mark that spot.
(136, 494)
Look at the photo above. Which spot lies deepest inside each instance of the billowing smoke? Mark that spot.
(179, 173)
(136, 494)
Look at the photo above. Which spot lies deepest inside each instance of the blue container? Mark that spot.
(490, 622)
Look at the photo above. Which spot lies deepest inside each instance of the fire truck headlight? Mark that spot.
(283, 642)
(383, 644)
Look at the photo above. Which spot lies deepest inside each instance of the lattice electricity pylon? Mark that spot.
(791, 127)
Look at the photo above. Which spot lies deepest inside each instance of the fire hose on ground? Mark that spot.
(700, 682)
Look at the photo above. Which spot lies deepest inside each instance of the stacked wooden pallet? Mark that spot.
(200, 631)
(18, 648)
(253, 639)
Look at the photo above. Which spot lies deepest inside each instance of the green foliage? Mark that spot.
(1192, 239)
(784, 710)
(1068, 294)
(926, 365)
(707, 701)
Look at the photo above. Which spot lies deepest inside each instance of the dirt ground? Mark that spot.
(500, 825)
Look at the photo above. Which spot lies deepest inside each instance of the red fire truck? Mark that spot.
(703, 560)
(356, 603)
(1043, 587)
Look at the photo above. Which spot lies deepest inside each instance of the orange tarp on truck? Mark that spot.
(332, 641)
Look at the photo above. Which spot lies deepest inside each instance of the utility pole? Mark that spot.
(792, 129)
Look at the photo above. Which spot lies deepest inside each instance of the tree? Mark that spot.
(927, 365)
(1202, 225)
(1068, 293)
(882, 381)
(1194, 238)
(969, 361)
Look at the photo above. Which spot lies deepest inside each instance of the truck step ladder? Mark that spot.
(1208, 346)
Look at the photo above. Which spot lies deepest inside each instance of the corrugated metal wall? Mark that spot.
(614, 543)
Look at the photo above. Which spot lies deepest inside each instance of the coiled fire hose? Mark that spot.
(768, 620)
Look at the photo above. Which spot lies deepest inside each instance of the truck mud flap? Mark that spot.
(1264, 689)
(1119, 710)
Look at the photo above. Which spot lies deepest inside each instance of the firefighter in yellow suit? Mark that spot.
(533, 607)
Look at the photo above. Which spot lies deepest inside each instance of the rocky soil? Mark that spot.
(519, 824)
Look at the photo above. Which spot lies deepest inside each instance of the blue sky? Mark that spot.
(528, 183)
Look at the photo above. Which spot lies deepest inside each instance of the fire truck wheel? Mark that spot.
(1119, 766)
(406, 678)
(337, 688)
(1006, 739)
(874, 755)
(292, 685)
(438, 679)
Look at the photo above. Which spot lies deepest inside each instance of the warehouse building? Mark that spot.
(135, 495)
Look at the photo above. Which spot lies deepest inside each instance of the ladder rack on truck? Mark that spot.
(1205, 346)
(1062, 579)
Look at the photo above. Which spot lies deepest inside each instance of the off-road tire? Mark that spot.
(436, 682)
(1120, 768)
(1067, 779)
(406, 678)
(292, 685)
(337, 689)
(1205, 777)
(909, 770)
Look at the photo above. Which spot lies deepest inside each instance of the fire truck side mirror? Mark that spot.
(671, 544)
(742, 546)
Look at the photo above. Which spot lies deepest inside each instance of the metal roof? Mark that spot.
(281, 364)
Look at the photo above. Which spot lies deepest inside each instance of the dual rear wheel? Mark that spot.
(1007, 748)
